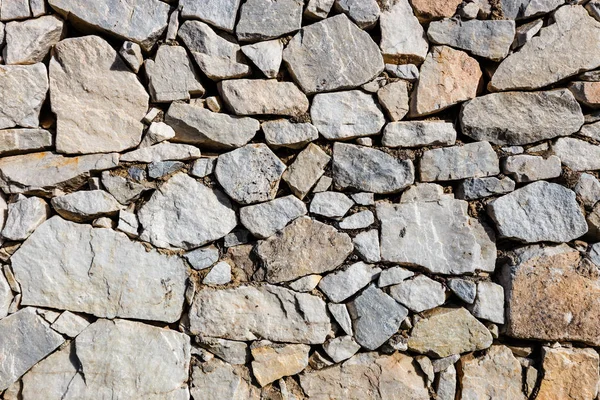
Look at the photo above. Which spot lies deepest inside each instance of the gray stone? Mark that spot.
(318, 9)
(157, 132)
(551, 56)
(540, 211)
(6, 296)
(359, 220)
(418, 134)
(526, 168)
(588, 189)
(218, 13)
(171, 75)
(265, 312)
(367, 246)
(263, 96)
(123, 189)
(402, 225)
(266, 19)
(322, 56)
(282, 133)
(131, 53)
(340, 285)
(28, 339)
(363, 199)
(265, 219)
(323, 184)
(488, 39)
(526, 32)
(24, 216)
(330, 204)
(22, 92)
(173, 26)
(196, 125)
(160, 169)
(370, 170)
(446, 384)
(266, 56)
(408, 72)
(164, 151)
(302, 248)
(341, 316)
(375, 317)
(591, 131)
(220, 274)
(364, 13)
(577, 154)
(202, 258)
(419, 294)
(522, 9)
(78, 268)
(128, 223)
(90, 70)
(30, 41)
(228, 350)
(402, 36)
(216, 380)
(15, 9)
(218, 57)
(346, 115)
(250, 174)
(424, 192)
(203, 167)
(86, 205)
(393, 97)
(473, 160)
(341, 348)
(170, 219)
(489, 303)
(463, 289)
(70, 324)
(306, 170)
(393, 276)
(140, 21)
(517, 118)
(18, 141)
(477, 188)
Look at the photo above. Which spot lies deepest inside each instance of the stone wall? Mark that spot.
(288, 199)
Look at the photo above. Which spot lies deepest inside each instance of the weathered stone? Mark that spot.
(202, 258)
(428, 10)
(216, 380)
(341, 348)
(569, 373)
(70, 324)
(359, 220)
(447, 331)
(588, 189)
(340, 285)
(495, 375)
(393, 97)
(591, 131)
(30, 41)
(250, 174)
(265, 312)
(322, 56)
(306, 170)
(164, 151)
(408, 72)
(419, 294)
(489, 39)
(402, 37)
(330, 204)
(540, 211)
(282, 133)
(266, 56)
(306, 283)
(170, 219)
(363, 199)
(393, 276)
(369, 170)
(341, 316)
(6, 296)
(346, 115)
(22, 92)
(266, 219)
(302, 248)
(447, 77)
(24, 216)
(587, 93)
(123, 189)
(85, 205)
(272, 362)
(220, 274)
(218, 13)
(477, 188)
(140, 21)
(263, 96)
(218, 57)
(364, 13)
(446, 384)
(323, 184)
(489, 303)
(367, 376)
(418, 133)
(160, 169)
(228, 350)
(367, 246)
(89, 70)
(69, 266)
(424, 192)
(526, 168)
(526, 32)
(517, 118)
(15, 9)
(203, 167)
(463, 289)
(472, 160)
(557, 53)
(375, 317)
(522, 9)
(266, 19)
(27, 339)
(199, 126)
(18, 141)
(577, 154)
(318, 9)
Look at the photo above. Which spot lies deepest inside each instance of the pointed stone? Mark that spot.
(266, 56)
(306, 170)
(265, 219)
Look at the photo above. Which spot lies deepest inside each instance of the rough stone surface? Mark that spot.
(340, 285)
(419, 294)
(360, 220)
(215, 379)
(22, 91)
(272, 362)
(267, 56)
(577, 154)
(587, 93)
(366, 245)
(473, 160)
(266, 19)
(364, 13)
(282, 133)
(164, 151)
(418, 133)
(30, 41)
(393, 97)
(265, 219)
(219, 13)
(588, 189)
(330, 204)
(24, 216)
(476, 188)
(17, 141)
(526, 168)
(306, 170)
(463, 289)
(402, 37)
(427, 10)
(85, 206)
(489, 302)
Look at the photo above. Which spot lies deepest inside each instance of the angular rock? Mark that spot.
(360, 220)
(447, 77)
(557, 53)
(522, 9)
(424, 192)
(22, 92)
(419, 294)
(282, 133)
(267, 56)
(517, 118)
(587, 93)
(30, 41)
(170, 219)
(78, 268)
(272, 362)
(318, 9)
(171, 75)
(199, 126)
(447, 331)
(428, 10)
(408, 72)
(477, 188)
(220, 274)
(393, 276)
(526, 168)
(250, 174)
(203, 167)
(402, 36)
(70, 324)
(591, 131)
(588, 189)
(369, 170)
(446, 384)
(164, 151)
(364, 13)
(123, 189)
(577, 154)
(202, 258)
(218, 13)
(367, 246)
(306, 284)
(375, 317)
(473, 160)
(540, 211)
(393, 97)
(463, 289)
(24, 216)
(302, 248)
(15, 9)
(215, 380)
(218, 57)
(306, 170)
(18, 141)
(263, 96)
(322, 56)
(89, 70)
(85, 205)
(6, 296)
(160, 169)
(265, 19)
(404, 224)
(418, 133)
(140, 21)
(341, 316)
(132, 55)
(341, 348)
(330, 204)
(489, 303)
(228, 350)
(265, 312)
(265, 219)
(340, 285)
(489, 39)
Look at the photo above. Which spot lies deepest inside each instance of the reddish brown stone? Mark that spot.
(428, 10)
(569, 374)
(587, 93)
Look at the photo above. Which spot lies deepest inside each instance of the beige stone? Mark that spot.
(428, 10)
(393, 97)
(272, 362)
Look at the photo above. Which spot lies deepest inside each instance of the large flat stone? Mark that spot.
(266, 219)
(265, 19)
(29, 42)
(219, 13)
(577, 154)
(22, 92)
(473, 160)
(17, 141)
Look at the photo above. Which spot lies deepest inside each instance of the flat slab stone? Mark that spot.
(419, 294)
(473, 160)
(402, 36)
(321, 56)
(282, 133)
(29, 42)
(476, 188)
(418, 133)
(215, 379)
(259, 312)
(219, 13)
(265, 19)
(22, 92)
(306, 170)
(109, 95)
(17, 141)
(160, 152)
(85, 205)
(522, 9)
(78, 268)
(265, 219)
(577, 154)
(274, 361)
(340, 285)
(527, 168)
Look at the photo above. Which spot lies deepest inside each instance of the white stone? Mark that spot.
(489, 302)
(282, 133)
(157, 132)
(473, 160)
(85, 205)
(265, 19)
(132, 55)
(340, 285)
(341, 348)
(577, 154)
(526, 168)
(70, 324)
(219, 13)
(419, 294)
(164, 151)
(393, 276)
(220, 274)
(24, 216)
(419, 133)
(360, 220)
(265, 219)
(266, 56)
(367, 246)
(30, 41)
(341, 316)
(330, 204)
(22, 92)
(402, 36)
